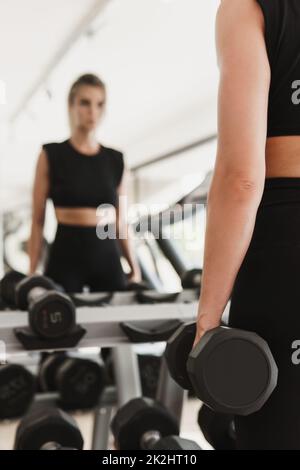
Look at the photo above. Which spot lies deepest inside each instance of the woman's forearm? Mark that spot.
(35, 246)
(231, 214)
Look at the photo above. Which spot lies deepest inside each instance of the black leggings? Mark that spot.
(266, 299)
(78, 258)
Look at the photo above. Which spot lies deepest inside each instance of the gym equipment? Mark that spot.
(101, 326)
(191, 279)
(217, 428)
(149, 369)
(48, 369)
(7, 287)
(91, 300)
(79, 382)
(17, 388)
(55, 446)
(231, 370)
(155, 297)
(3, 305)
(148, 332)
(51, 313)
(47, 428)
(175, 443)
(138, 286)
(141, 424)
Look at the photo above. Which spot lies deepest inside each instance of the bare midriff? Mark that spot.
(283, 157)
(83, 216)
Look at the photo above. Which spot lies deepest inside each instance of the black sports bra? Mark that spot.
(78, 180)
(282, 36)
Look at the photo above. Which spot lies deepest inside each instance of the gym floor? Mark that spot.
(190, 428)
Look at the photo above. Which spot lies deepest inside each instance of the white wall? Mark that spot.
(156, 56)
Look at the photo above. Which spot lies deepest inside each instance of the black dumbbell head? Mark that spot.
(176, 443)
(177, 351)
(8, 285)
(138, 417)
(217, 428)
(24, 287)
(47, 425)
(80, 383)
(17, 388)
(232, 371)
(48, 370)
(191, 279)
(52, 315)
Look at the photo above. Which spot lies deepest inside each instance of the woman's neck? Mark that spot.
(84, 141)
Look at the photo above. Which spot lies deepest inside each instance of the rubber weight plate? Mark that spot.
(80, 383)
(52, 315)
(177, 352)
(47, 425)
(17, 388)
(48, 370)
(232, 371)
(138, 417)
(24, 287)
(8, 285)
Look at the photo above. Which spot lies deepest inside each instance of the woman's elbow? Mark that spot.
(240, 187)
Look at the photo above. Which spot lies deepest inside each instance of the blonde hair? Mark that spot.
(88, 79)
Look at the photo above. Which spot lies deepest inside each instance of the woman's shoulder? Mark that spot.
(50, 146)
(112, 151)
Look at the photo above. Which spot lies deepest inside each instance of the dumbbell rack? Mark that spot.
(102, 325)
(128, 386)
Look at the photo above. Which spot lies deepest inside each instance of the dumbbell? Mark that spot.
(3, 305)
(191, 279)
(7, 287)
(144, 424)
(51, 313)
(230, 370)
(17, 388)
(78, 381)
(48, 429)
(217, 428)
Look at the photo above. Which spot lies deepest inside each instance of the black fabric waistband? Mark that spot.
(281, 190)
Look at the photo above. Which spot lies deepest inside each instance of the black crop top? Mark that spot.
(78, 180)
(282, 36)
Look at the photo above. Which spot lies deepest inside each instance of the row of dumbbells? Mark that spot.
(10, 297)
(78, 383)
(141, 424)
(52, 313)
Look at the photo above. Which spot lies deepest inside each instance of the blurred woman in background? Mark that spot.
(79, 175)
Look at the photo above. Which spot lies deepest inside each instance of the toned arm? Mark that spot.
(239, 173)
(39, 199)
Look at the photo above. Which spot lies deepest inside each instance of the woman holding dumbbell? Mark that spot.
(81, 177)
(252, 250)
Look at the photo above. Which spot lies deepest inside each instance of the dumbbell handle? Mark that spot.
(54, 446)
(35, 293)
(149, 439)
